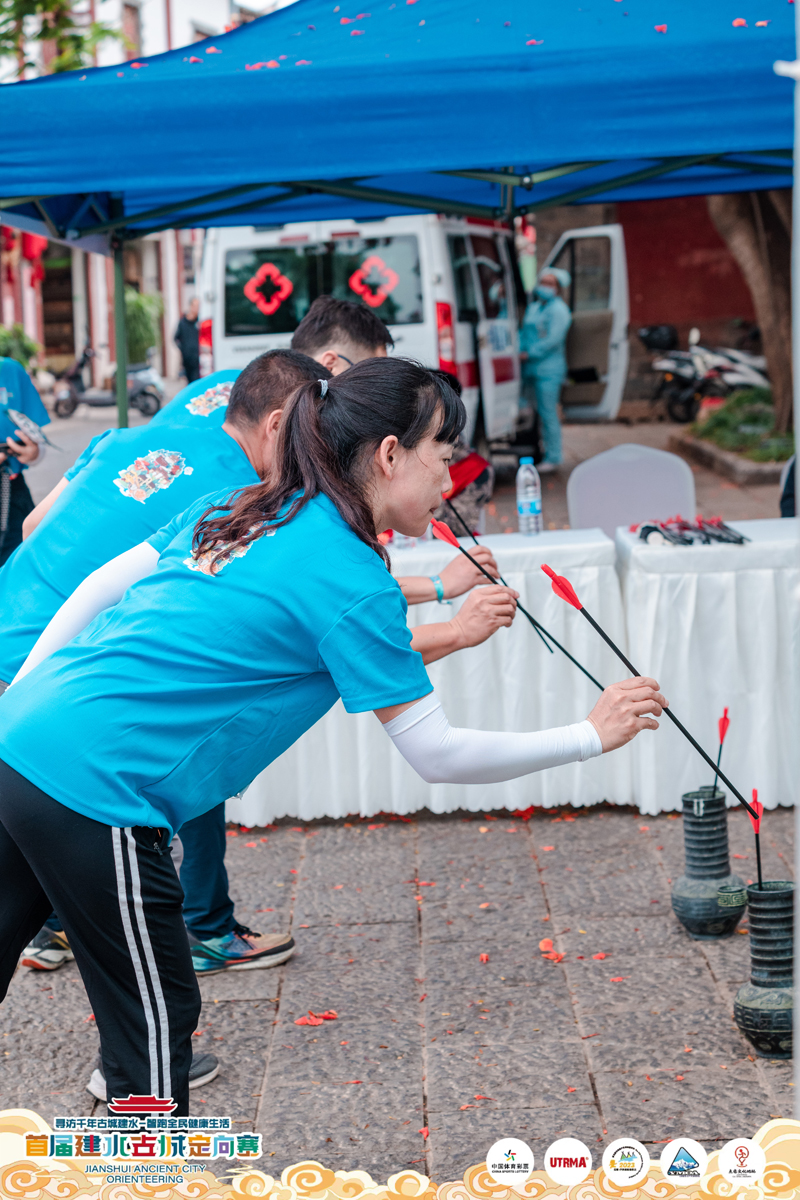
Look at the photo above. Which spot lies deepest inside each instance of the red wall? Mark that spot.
(680, 272)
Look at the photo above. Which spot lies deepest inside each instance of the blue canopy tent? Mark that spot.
(486, 108)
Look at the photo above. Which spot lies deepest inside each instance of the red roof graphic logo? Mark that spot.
(387, 280)
(283, 288)
(142, 1104)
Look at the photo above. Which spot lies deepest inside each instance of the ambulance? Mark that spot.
(449, 290)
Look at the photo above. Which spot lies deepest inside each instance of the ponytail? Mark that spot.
(328, 429)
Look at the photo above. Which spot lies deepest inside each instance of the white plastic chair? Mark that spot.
(627, 485)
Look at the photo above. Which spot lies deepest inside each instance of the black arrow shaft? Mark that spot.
(540, 629)
(668, 713)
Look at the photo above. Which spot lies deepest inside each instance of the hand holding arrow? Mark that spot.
(444, 533)
(563, 588)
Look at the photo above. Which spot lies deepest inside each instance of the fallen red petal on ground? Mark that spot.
(484, 958)
(546, 944)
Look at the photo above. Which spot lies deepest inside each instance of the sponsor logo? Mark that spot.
(568, 1161)
(684, 1158)
(510, 1162)
(742, 1161)
(626, 1162)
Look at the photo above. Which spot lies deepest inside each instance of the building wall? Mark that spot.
(681, 273)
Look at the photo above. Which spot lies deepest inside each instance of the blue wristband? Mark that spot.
(437, 583)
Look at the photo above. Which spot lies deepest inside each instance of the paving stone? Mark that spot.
(459, 1140)
(656, 1040)
(49, 1044)
(351, 875)
(370, 1127)
(240, 1034)
(777, 1077)
(520, 1074)
(657, 933)
(644, 983)
(706, 1103)
(262, 984)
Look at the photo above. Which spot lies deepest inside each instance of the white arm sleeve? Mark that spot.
(441, 754)
(103, 588)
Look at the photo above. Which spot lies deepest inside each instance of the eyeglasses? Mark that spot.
(349, 361)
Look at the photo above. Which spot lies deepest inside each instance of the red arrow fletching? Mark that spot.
(759, 807)
(444, 533)
(562, 587)
(724, 725)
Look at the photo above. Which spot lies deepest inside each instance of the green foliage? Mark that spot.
(745, 424)
(15, 343)
(76, 38)
(142, 317)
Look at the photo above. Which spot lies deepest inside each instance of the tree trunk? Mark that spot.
(757, 229)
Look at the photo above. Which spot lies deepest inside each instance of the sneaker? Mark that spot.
(48, 951)
(240, 950)
(547, 468)
(204, 1068)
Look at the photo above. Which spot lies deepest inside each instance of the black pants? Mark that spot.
(207, 905)
(119, 900)
(191, 368)
(21, 503)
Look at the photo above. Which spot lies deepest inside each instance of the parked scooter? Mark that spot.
(688, 376)
(145, 389)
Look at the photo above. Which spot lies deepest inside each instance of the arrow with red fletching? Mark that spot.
(723, 725)
(565, 591)
(445, 534)
(755, 821)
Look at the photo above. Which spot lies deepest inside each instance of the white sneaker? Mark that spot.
(547, 468)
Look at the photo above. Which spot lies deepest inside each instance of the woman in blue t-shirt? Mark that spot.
(230, 633)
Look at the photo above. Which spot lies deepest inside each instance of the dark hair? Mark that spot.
(329, 320)
(267, 382)
(326, 436)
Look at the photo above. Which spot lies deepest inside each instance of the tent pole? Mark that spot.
(120, 334)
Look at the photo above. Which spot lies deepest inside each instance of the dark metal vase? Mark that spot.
(695, 896)
(763, 1007)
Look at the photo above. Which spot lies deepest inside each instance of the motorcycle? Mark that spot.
(689, 376)
(145, 389)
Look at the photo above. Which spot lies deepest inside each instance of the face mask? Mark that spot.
(544, 292)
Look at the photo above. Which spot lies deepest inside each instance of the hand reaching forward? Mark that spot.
(620, 713)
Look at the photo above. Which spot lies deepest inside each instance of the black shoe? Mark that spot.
(48, 951)
(204, 1068)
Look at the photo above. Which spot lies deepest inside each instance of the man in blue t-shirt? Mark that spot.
(17, 450)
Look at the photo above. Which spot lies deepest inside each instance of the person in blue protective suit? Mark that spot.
(17, 451)
(544, 365)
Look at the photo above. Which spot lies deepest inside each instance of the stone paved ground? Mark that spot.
(391, 919)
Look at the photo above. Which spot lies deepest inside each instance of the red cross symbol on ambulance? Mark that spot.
(358, 281)
(283, 288)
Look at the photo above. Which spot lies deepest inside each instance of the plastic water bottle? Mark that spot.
(529, 498)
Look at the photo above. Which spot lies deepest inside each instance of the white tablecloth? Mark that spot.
(347, 764)
(717, 625)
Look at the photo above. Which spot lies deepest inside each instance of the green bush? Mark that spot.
(745, 424)
(143, 320)
(15, 343)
